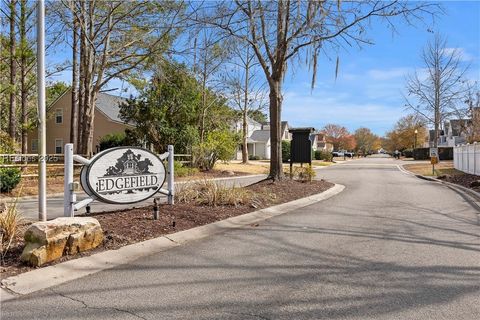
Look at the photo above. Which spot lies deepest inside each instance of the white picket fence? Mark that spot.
(466, 158)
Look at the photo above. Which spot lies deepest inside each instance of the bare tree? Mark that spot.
(12, 117)
(281, 32)
(437, 90)
(246, 88)
(117, 38)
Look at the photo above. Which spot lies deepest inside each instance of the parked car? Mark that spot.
(338, 153)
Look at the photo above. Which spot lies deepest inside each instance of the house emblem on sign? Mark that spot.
(129, 164)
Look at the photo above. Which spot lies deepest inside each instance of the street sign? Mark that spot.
(433, 152)
(434, 160)
(123, 175)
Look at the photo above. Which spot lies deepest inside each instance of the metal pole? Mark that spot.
(42, 138)
(68, 190)
(171, 187)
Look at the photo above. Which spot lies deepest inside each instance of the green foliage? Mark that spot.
(323, 155)
(9, 179)
(119, 139)
(219, 145)
(55, 90)
(285, 150)
(408, 153)
(252, 157)
(258, 115)
(168, 109)
(182, 171)
(304, 174)
(7, 144)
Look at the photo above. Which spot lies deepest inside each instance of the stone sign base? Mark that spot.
(50, 240)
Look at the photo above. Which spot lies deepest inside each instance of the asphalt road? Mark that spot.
(391, 246)
(29, 207)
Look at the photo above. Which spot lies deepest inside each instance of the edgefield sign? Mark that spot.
(123, 175)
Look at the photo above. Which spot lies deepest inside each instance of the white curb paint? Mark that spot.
(43, 278)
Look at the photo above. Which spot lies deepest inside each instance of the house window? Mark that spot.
(59, 116)
(58, 146)
(34, 145)
(129, 165)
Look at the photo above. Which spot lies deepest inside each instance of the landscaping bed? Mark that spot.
(446, 172)
(134, 225)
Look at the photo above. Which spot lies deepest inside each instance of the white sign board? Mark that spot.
(433, 152)
(123, 175)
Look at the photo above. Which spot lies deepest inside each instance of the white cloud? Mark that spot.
(463, 55)
(388, 74)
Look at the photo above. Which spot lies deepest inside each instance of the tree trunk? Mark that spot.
(275, 109)
(244, 138)
(12, 119)
(74, 111)
(81, 71)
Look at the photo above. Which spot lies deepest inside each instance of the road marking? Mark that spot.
(402, 169)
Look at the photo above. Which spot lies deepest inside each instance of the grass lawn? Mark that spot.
(425, 169)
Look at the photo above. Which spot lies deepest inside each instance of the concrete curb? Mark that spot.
(39, 279)
(83, 194)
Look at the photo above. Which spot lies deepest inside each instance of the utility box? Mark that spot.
(301, 145)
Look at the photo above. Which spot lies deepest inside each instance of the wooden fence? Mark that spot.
(54, 162)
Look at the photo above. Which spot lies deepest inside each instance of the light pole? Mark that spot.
(415, 144)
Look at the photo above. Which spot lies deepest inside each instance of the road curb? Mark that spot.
(43, 278)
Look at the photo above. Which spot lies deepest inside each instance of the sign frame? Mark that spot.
(85, 173)
(433, 152)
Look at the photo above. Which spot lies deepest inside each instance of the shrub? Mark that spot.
(408, 153)
(212, 193)
(285, 150)
(10, 220)
(9, 178)
(304, 174)
(181, 171)
(252, 157)
(7, 144)
(323, 155)
(118, 139)
(219, 145)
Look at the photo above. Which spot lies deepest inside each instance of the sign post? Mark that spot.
(433, 158)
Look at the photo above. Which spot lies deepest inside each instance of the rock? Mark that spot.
(475, 184)
(50, 240)
(228, 173)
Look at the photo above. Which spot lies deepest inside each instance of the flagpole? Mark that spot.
(42, 150)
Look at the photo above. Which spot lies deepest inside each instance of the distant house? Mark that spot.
(258, 141)
(107, 120)
(455, 132)
(322, 143)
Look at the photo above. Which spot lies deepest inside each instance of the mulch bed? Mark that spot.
(134, 225)
(463, 179)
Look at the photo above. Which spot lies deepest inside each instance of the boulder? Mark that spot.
(50, 240)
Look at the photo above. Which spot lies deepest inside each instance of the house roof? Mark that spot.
(459, 126)
(109, 105)
(260, 136)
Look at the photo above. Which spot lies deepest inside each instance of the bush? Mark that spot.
(118, 139)
(10, 220)
(323, 155)
(181, 171)
(408, 153)
(285, 150)
(9, 178)
(219, 145)
(252, 157)
(304, 174)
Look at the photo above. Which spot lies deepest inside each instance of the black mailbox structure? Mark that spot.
(301, 146)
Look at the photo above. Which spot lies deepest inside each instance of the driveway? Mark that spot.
(391, 246)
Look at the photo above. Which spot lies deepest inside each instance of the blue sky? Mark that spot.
(368, 90)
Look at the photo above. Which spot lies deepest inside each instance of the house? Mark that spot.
(258, 138)
(107, 120)
(322, 143)
(455, 132)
